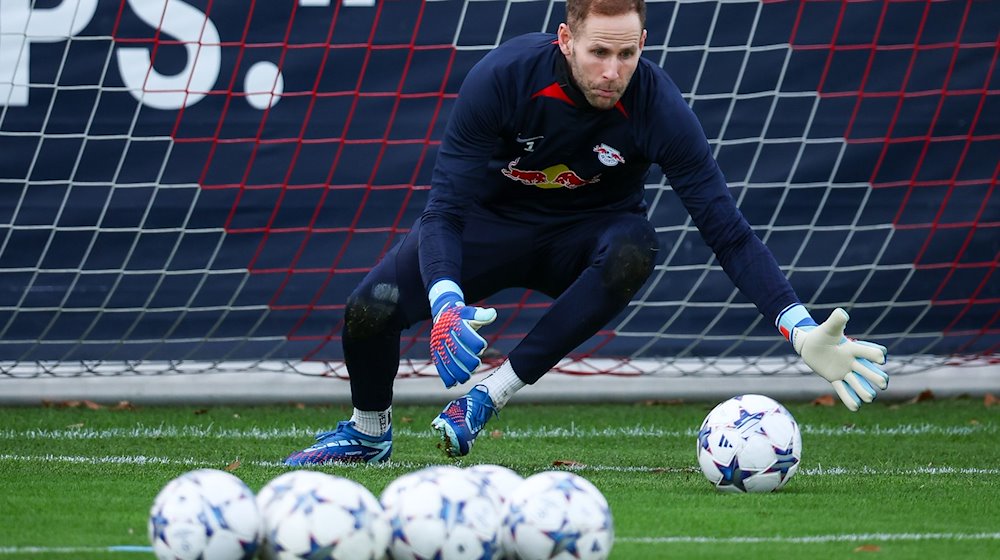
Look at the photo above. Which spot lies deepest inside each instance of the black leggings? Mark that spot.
(591, 267)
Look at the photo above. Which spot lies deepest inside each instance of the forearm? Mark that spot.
(440, 247)
(753, 269)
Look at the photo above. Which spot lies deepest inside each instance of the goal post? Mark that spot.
(194, 187)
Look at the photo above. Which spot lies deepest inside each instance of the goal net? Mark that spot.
(196, 186)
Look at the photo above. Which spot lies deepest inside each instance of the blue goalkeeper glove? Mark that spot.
(849, 365)
(456, 347)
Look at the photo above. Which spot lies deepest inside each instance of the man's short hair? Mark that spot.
(578, 10)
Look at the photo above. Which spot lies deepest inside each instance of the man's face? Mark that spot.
(602, 54)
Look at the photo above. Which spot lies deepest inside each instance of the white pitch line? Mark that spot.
(571, 432)
(807, 539)
(863, 537)
(814, 471)
(72, 549)
(196, 463)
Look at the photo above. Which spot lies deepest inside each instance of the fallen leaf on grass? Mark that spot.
(868, 548)
(825, 400)
(496, 434)
(234, 465)
(925, 395)
(567, 463)
(123, 405)
(989, 400)
(663, 402)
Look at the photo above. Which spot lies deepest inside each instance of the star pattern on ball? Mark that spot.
(786, 460)
(733, 475)
(564, 539)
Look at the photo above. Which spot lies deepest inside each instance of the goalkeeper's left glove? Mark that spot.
(849, 365)
(456, 347)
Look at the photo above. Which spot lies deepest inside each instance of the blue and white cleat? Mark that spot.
(343, 445)
(462, 420)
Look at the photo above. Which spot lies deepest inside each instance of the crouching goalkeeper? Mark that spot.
(539, 184)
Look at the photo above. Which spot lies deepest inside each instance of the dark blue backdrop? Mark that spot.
(861, 138)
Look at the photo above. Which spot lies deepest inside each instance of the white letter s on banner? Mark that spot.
(200, 37)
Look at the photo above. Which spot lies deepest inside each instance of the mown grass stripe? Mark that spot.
(198, 463)
(141, 431)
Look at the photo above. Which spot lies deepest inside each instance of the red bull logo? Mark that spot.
(555, 177)
(608, 155)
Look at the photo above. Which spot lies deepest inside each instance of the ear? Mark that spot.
(642, 40)
(565, 37)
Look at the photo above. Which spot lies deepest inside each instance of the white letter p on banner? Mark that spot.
(20, 26)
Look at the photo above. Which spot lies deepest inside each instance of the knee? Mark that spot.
(629, 258)
(369, 311)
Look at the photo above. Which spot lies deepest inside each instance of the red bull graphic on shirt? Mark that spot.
(554, 177)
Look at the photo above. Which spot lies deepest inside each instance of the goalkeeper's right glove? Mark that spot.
(456, 347)
(847, 364)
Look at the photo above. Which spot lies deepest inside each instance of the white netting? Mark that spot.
(192, 187)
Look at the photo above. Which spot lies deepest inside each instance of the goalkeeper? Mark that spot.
(538, 184)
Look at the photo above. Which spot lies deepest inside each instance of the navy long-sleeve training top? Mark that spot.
(523, 142)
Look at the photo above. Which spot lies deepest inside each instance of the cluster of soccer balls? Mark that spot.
(749, 443)
(483, 512)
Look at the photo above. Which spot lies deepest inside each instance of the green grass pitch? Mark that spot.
(894, 480)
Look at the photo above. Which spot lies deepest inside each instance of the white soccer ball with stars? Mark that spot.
(749, 443)
(318, 516)
(500, 482)
(400, 485)
(205, 514)
(558, 515)
(441, 513)
(498, 477)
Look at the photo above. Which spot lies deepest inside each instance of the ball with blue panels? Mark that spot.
(501, 483)
(205, 514)
(318, 516)
(442, 512)
(749, 443)
(558, 515)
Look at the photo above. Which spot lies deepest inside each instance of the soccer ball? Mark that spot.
(318, 516)
(205, 514)
(502, 479)
(500, 482)
(558, 515)
(749, 443)
(442, 513)
(398, 487)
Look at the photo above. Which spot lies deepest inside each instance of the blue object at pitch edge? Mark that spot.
(344, 445)
(462, 420)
